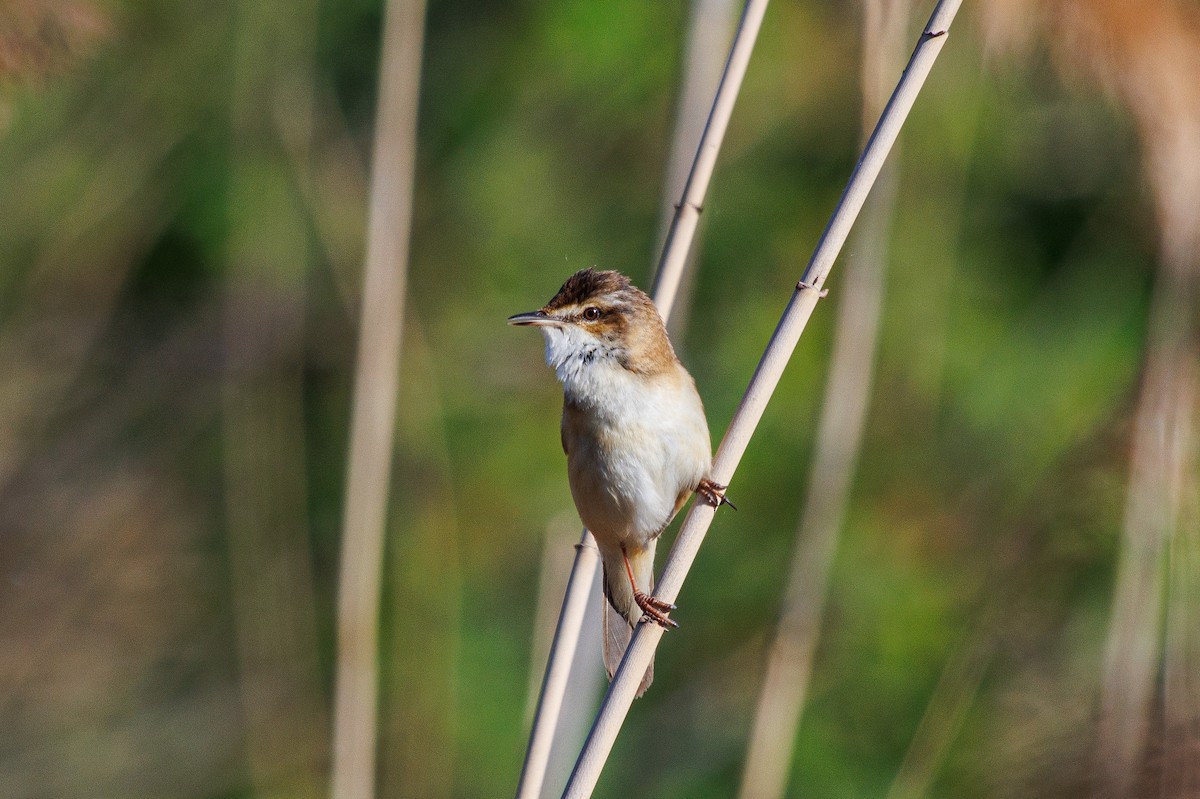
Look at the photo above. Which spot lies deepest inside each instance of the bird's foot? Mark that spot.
(713, 493)
(655, 609)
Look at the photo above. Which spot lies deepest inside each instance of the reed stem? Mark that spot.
(783, 342)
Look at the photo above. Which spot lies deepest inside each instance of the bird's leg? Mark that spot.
(654, 608)
(713, 493)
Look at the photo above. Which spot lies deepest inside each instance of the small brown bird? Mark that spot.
(634, 432)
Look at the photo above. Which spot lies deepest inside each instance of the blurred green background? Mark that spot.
(182, 214)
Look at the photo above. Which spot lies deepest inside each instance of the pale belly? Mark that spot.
(628, 471)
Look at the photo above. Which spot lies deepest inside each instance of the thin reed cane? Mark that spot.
(376, 384)
(670, 271)
(687, 214)
(552, 586)
(710, 32)
(1157, 495)
(789, 661)
(758, 393)
(558, 667)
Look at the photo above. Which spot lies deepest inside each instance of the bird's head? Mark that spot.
(600, 318)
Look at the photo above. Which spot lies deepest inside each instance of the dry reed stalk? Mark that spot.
(1161, 484)
(1149, 54)
(585, 684)
(1158, 489)
(710, 29)
(552, 584)
(682, 232)
(262, 413)
(1161, 80)
(667, 278)
(582, 690)
(770, 368)
(558, 667)
(1181, 644)
(839, 440)
(375, 390)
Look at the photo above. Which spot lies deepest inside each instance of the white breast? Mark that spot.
(635, 442)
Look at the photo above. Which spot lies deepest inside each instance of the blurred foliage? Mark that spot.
(183, 206)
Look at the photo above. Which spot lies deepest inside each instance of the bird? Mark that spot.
(634, 433)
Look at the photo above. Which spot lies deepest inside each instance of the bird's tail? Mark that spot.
(621, 613)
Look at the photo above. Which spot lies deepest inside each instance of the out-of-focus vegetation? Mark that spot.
(182, 209)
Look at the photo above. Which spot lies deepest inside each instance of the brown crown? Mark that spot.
(588, 283)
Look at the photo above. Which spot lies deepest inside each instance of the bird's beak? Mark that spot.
(537, 318)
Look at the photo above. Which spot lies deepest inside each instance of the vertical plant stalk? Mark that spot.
(1158, 489)
(372, 423)
(1150, 59)
(1181, 645)
(262, 411)
(758, 393)
(670, 270)
(1161, 89)
(839, 440)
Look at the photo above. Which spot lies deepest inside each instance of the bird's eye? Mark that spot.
(591, 313)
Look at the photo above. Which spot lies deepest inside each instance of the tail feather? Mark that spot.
(621, 613)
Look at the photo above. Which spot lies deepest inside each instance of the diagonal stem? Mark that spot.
(674, 257)
(790, 657)
(558, 667)
(687, 213)
(758, 393)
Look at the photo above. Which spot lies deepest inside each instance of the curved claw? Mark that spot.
(655, 610)
(713, 493)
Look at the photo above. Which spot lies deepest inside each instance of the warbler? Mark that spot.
(635, 436)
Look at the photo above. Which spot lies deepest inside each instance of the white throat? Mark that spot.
(582, 362)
